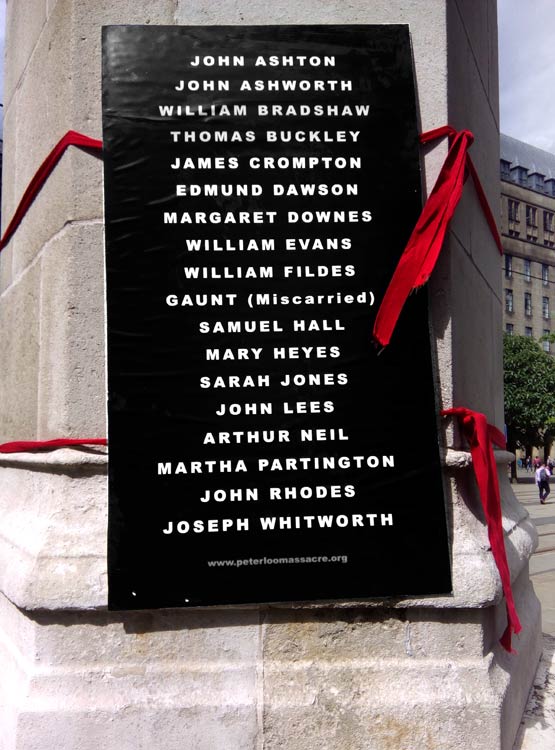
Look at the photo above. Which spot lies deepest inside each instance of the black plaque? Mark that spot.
(261, 183)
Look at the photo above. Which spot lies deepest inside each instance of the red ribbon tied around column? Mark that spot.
(19, 446)
(420, 255)
(480, 436)
(71, 138)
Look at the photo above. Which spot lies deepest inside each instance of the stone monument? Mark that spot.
(372, 672)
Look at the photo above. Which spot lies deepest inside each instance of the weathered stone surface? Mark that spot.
(31, 16)
(170, 679)
(72, 367)
(8, 188)
(53, 543)
(297, 679)
(405, 680)
(20, 326)
(42, 119)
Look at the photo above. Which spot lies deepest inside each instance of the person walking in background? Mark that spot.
(542, 480)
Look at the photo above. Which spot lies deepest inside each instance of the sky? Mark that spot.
(527, 70)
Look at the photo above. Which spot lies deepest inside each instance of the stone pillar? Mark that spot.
(381, 674)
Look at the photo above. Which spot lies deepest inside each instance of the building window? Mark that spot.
(514, 218)
(527, 270)
(537, 182)
(520, 176)
(548, 229)
(531, 223)
(508, 266)
(545, 307)
(514, 210)
(528, 304)
(509, 329)
(509, 307)
(528, 332)
(505, 170)
(545, 342)
(545, 274)
(531, 216)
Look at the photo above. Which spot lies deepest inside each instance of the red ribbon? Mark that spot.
(71, 138)
(420, 255)
(33, 445)
(480, 436)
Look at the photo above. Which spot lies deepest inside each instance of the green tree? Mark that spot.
(529, 384)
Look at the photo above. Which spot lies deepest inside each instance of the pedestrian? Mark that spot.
(542, 480)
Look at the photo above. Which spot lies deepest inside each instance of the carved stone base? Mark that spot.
(376, 674)
(221, 680)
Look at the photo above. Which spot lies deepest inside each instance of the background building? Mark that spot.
(528, 231)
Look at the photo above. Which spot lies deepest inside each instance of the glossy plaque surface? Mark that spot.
(260, 186)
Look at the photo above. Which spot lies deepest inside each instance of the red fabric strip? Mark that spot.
(432, 135)
(20, 446)
(71, 138)
(420, 255)
(484, 203)
(480, 436)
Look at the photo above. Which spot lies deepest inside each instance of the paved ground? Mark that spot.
(538, 727)
(542, 564)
